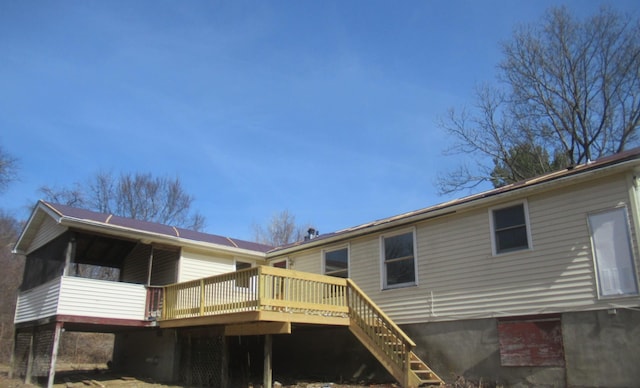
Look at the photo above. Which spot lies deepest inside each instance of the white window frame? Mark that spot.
(629, 246)
(332, 249)
(383, 267)
(494, 245)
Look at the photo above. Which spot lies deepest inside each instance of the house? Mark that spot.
(531, 284)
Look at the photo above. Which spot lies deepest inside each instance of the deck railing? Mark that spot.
(275, 289)
(256, 289)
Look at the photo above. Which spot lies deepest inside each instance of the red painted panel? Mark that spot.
(531, 342)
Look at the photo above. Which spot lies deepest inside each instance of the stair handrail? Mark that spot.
(351, 285)
(383, 335)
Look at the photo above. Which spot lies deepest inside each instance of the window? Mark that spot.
(242, 265)
(611, 244)
(243, 281)
(510, 229)
(398, 261)
(336, 263)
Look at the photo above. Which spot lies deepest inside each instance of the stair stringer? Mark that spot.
(385, 360)
(373, 328)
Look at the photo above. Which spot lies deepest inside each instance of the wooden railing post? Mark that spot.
(201, 297)
(164, 303)
(261, 288)
(407, 366)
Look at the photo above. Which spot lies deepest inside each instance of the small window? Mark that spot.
(336, 263)
(399, 266)
(242, 265)
(510, 229)
(280, 264)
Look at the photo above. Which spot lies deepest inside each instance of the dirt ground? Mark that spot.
(97, 376)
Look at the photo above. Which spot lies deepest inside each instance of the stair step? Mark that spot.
(437, 382)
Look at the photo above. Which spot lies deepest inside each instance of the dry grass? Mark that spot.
(97, 376)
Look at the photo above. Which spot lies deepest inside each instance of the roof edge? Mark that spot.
(604, 165)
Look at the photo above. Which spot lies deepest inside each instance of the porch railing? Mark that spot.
(256, 289)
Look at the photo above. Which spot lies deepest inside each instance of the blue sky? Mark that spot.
(327, 108)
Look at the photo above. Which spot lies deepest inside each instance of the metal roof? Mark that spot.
(70, 213)
(73, 213)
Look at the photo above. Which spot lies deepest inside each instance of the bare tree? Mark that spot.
(281, 230)
(139, 196)
(568, 92)
(12, 267)
(8, 169)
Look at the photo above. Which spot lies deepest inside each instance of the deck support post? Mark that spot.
(54, 353)
(12, 361)
(268, 372)
(29, 371)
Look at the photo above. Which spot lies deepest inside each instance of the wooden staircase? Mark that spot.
(280, 297)
(387, 342)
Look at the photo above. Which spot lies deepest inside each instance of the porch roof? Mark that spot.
(82, 218)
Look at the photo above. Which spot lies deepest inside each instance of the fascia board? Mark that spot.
(39, 211)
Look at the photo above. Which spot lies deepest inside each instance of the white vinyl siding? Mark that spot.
(74, 296)
(39, 302)
(308, 261)
(196, 265)
(459, 277)
(48, 230)
(101, 299)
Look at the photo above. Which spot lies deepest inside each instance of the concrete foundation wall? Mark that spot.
(601, 349)
(149, 353)
(471, 349)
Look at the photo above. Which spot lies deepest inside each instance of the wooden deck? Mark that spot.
(267, 300)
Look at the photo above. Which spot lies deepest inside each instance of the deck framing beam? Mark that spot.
(258, 328)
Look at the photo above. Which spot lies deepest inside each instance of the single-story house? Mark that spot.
(531, 284)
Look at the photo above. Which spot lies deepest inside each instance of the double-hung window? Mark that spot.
(510, 228)
(336, 262)
(398, 260)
